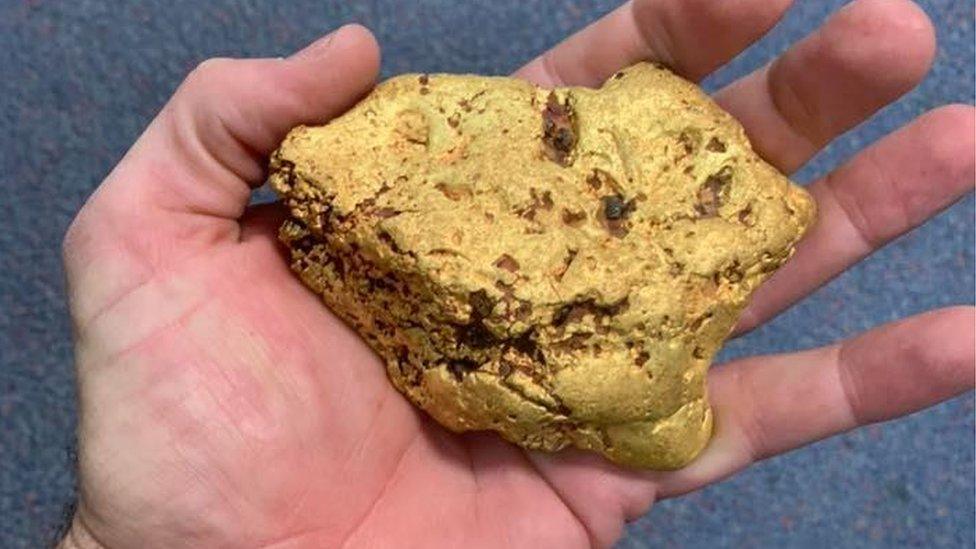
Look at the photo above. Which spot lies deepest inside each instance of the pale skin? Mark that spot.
(222, 405)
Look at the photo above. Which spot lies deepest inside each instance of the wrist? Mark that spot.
(78, 537)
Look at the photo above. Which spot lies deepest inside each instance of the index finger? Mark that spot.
(692, 37)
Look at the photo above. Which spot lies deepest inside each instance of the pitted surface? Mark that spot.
(558, 266)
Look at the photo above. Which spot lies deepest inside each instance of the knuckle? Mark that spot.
(209, 71)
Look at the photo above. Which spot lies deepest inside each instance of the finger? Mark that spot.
(184, 183)
(867, 55)
(768, 405)
(693, 37)
(210, 142)
(230, 114)
(885, 191)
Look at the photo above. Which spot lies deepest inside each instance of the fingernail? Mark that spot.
(318, 47)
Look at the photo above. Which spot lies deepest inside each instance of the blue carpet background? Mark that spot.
(83, 78)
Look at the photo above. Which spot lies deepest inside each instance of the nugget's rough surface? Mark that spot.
(557, 266)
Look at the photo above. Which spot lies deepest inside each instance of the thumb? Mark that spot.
(229, 114)
(185, 182)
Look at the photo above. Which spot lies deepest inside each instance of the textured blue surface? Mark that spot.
(83, 78)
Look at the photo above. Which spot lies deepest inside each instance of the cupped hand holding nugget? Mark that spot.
(223, 405)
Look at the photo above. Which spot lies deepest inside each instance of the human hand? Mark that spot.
(223, 405)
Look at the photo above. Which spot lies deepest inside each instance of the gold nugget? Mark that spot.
(559, 266)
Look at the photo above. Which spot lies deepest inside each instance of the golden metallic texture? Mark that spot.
(559, 266)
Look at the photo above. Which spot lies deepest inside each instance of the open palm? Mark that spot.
(222, 405)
